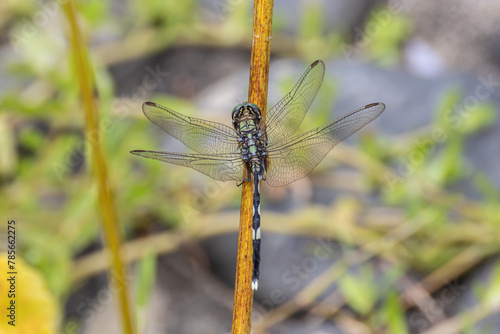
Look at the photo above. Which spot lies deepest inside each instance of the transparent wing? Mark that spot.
(199, 135)
(282, 120)
(295, 158)
(223, 167)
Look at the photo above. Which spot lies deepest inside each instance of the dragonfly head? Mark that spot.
(245, 112)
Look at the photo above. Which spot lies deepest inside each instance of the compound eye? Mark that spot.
(236, 110)
(255, 108)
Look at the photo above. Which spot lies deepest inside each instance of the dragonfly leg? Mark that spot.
(256, 232)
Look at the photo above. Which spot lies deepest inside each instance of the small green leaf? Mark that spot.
(145, 274)
(146, 270)
(394, 314)
(359, 292)
(492, 290)
(486, 187)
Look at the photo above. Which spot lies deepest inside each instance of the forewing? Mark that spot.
(295, 158)
(283, 120)
(223, 167)
(201, 136)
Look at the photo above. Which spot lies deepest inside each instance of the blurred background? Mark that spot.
(396, 231)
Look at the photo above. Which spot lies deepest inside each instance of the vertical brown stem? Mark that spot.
(261, 53)
(257, 93)
(94, 140)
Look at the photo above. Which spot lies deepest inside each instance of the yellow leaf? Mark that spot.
(32, 305)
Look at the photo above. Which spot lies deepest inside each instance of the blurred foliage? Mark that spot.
(383, 36)
(43, 156)
(314, 41)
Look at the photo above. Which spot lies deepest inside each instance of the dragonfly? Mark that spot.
(258, 147)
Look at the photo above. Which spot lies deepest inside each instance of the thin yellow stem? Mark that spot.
(261, 53)
(257, 93)
(93, 139)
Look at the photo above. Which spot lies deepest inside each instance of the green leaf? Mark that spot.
(492, 290)
(359, 292)
(394, 314)
(145, 278)
(486, 187)
(146, 270)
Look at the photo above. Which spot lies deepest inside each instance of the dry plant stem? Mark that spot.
(257, 93)
(92, 136)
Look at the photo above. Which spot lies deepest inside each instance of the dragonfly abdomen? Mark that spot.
(256, 232)
(256, 164)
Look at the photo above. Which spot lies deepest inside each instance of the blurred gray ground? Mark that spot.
(465, 33)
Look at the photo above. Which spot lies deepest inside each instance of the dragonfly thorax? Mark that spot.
(246, 121)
